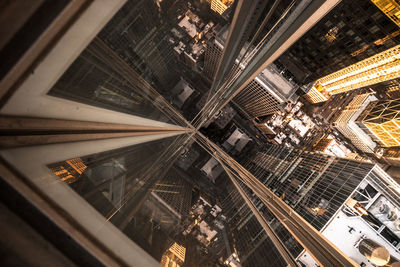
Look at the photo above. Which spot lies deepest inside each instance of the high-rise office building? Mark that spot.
(250, 241)
(175, 191)
(391, 8)
(349, 33)
(314, 184)
(383, 121)
(318, 187)
(366, 216)
(213, 52)
(376, 69)
(268, 93)
(265, 95)
(90, 139)
(349, 125)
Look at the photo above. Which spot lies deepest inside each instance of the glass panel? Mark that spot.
(158, 60)
(129, 65)
(168, 206)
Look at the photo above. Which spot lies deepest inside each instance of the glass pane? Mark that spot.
(186, 207)
(130, 66)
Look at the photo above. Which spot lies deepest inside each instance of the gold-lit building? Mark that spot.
(70, 170)
(220, 6)
(317, 94)
(322, 144)
(384, 122)
(378, 68)
(174, 256)
(391, 8)
(393, 89)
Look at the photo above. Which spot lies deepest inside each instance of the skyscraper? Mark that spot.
(378, 68)
(268, 93)
(314, 184)
(349, 33)
(250, 242)
(90, 139)
(318, 187)
(383, 121)
(348, 123)
(263, 96)
(391, 8)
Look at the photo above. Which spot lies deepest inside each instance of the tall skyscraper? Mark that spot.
(319, 186)
(214, 52)
(268, 93)
(314, 184)
(265, 95)
(349, 33)
(348, 123)
(383, 121)
(391, 8)
(90, 142)
(250, 241)
(376, 69)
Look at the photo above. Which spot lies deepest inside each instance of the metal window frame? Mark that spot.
(50, 128)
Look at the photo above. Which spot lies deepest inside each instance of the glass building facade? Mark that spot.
(109, 159)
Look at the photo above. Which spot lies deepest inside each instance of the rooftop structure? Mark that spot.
(366, 215)
(384, 122)
(346, 123)
(220, 6)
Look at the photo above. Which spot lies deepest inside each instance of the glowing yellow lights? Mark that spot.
(220, 6)
(174, 256)
(316, 94)
(70, 171)
(391, 8)
(77, 164)
(378, 68)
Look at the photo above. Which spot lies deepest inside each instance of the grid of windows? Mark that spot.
(362, 31)
(249, 238)
(256, 100)
(384, 122)
(211, 59)
(378, 68)
(314, 184)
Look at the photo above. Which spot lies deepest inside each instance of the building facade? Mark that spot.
(349, 33)
(347, 123)
(367, 216)
(383, 121)
(391, 8)
(378, 68)
(318, 187)
(265, 95)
